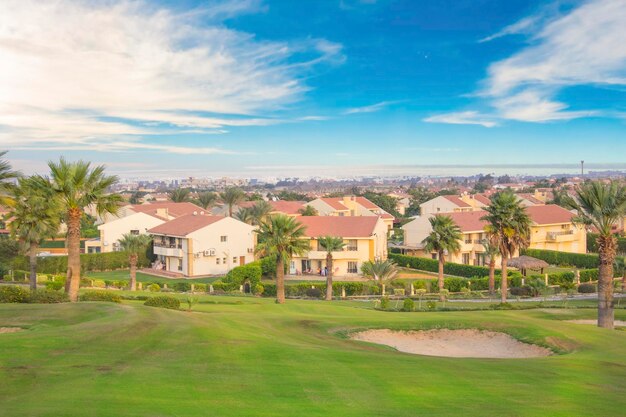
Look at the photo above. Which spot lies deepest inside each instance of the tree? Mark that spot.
(7, 175)
(381, 271)
(601, 206)
(282, 237)
(77, 185)
(231, 197)
(207, 200)
(34, 218)
(308, 211)
(331, 244)
(134, 244)
(244, 214)
(509, 224)
(445, 237)
(492, 250)
(260, 211)
(419, 195)
(179, 195)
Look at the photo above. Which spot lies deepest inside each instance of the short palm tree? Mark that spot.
(601, 206)
(244, 214)
(77, 186)
(179, 195)
(7, 175)
(282, 237)
(260, 211)
(34, 217)
(207, 200)
(134, 245)
(331, 244)
(509, 224)
(231, 197)
(308, 211)
(380, 271)
(491, 252)
(445, 237)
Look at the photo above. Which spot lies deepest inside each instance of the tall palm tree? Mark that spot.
(34, 217)
(381, 271)
(244, 214)
(134, 245)
(491, 251)
(445, 237)
(7, 175)
(179, 195)
(207, 200)
(508, 222)
(231, 197)
(260, 211)
(281, 236)
(331, 244)
(600, 206)
(78, 185)
(308, 211)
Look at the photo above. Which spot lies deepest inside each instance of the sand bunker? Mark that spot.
(616, 323)
(9, 329)
(466, 343)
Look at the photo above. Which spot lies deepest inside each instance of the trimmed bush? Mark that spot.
(47, 297)
(524, 291)
(13, 294)
(432, 265)
(408, 305)
(587, 275)
(181, 287)
(89, 262)
(313, 293)
(251, 273)
(163, 301)
(99, 295)
(579, 260)
(154, 287)
(384, 303)
(587, 288)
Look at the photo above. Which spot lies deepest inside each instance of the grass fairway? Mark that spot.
(251, 357)
(124, 275)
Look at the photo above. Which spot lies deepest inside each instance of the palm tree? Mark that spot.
(308, 211)
(445, 237)
(6, 177)
(509, 224)
(231, 197)
(281, 236)
(207, 200)
(260, 211)
(179, 195)
(34, 217)
(244, 214)
(134, 244)
(331, 244)
(600, 206)
(381, 271)
(492, 250)
(77, 186)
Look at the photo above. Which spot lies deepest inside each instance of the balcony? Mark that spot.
(563, 236)
(321, 255)
(168, 249)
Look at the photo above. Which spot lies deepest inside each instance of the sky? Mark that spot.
(264, 88)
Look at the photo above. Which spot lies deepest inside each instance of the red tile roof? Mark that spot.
(361, 226)
(184, 225)
(173, 209)
(468, 221)
(287, 207)
(456, 200)
(531, 198)
(367, 204)
(549, 214)
(335, 203)
(481, 198)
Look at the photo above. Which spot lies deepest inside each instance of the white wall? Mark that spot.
(437, 205)
(416, 231)
(112, 231)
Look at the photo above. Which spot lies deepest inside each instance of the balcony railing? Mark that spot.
(168, 245)
(555, 235)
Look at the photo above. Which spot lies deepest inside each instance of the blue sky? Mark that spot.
(332, 87)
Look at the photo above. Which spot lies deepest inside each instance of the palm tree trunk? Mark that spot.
(607, 250)
(132, 260)
(504, 285)
(73, 253)
(280, 281)
(492, 276)
(329, 277)
(32, 258)
(230, 210)
(440, 282)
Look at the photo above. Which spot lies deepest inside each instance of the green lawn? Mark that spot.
(246, 356)
(123, 275)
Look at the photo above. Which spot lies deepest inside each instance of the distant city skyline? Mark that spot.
(262, 88)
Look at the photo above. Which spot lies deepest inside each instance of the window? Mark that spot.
(180, 264)
(352, 245)
(223, 238)
(340, 214)
(468, 239)
(234, 260)
(224, 261)
(466, 258)
(134, 232)
(352, 268)
(217, 261)
(565, 226)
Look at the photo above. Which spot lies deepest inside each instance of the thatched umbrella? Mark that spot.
(527, 262)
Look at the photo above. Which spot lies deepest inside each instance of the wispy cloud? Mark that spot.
(370, 108)
(584, 46)
(462, 118)
(76, 71)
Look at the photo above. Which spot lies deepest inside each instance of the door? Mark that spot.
(242, 260)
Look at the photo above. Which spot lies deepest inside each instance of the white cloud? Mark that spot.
(462, 118)
(371, 108)
(75, 71)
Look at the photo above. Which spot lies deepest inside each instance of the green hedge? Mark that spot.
(251, 272)
(88, 262)
(99, 295)
(592, 244)
(579, 260)
(432, 265)
(163, 301)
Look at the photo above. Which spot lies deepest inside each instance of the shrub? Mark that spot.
(269, 289)
(54, 285)
(99, 295)
(268, 266)
(163, 301)
(587, 288)
(89, 262)
(200, 287)
(181, 287)
(13, 294)
(524, 291)
(431, 305)
(587, 275)
(258, 289)
(398, 291)
(154, 287)
(579, 260)
(432, 265)
(408, 305)
(47, 297)
(384, 303)
(251, 273)
(313, 292)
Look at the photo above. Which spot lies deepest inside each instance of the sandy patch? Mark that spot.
(465, 343)
(617, 323)
(10, 329)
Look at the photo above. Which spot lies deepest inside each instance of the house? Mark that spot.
(403, 202)
(136, 219)
(365, 238)
(350, 206)
(528, 199)
(201, 244)
(551, 229)
(444, 204)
